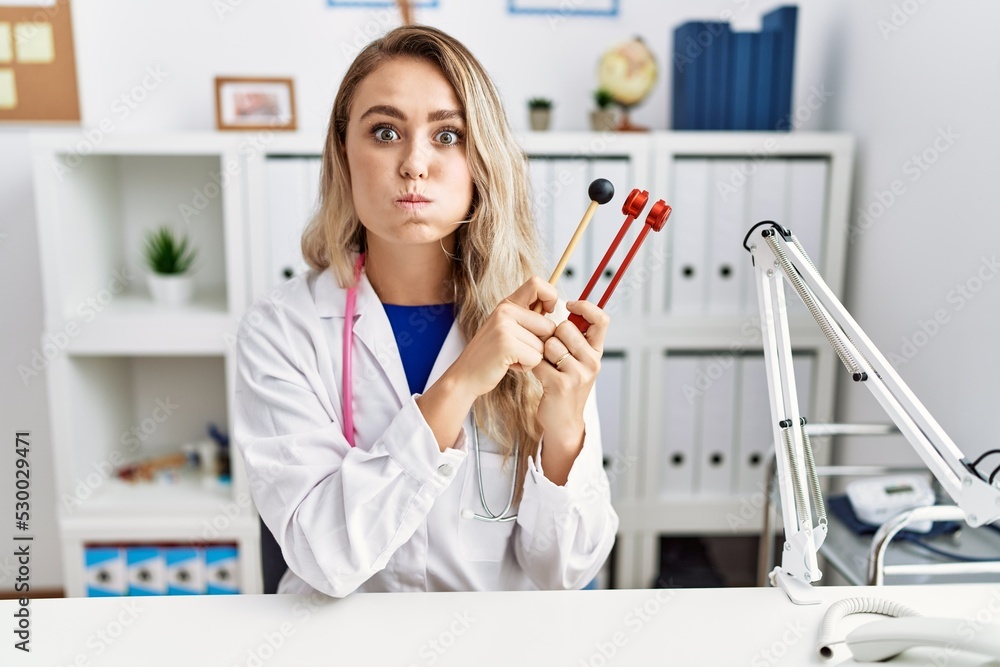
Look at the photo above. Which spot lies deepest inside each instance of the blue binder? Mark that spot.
(725, 80)
(717, 62)
(764, 117)
(743, 66)
(683, 84)
(688, 75)
(782, 21)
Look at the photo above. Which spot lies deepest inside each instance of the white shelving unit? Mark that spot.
(728, 179)
(129, 379)
(111, 372)
(647, 509)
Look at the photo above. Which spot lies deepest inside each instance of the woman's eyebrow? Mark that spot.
(385, 110)
(393, 112)
(445, 114)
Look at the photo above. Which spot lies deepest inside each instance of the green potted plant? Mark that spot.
(169, 258)
(540, 113)
(602, 119)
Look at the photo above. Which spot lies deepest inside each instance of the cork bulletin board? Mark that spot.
(37, 62)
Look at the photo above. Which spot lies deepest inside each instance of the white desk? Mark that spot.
(749, 626)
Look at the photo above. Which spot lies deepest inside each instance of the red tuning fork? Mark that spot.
(634, 203)
(655, 220)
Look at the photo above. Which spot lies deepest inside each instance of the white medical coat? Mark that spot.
(386, 515)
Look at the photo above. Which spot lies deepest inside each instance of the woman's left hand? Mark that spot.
(574, 360)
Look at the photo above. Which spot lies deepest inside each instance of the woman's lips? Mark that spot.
(412, 203)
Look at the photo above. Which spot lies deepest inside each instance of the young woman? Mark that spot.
(408, 423)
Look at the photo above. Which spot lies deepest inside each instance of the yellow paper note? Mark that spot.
(6, 45)
(8, 91)
(34, 42)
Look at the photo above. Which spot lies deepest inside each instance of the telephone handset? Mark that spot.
(905, 629)
(881, 640)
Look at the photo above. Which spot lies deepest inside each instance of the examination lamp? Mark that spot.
(778, 255)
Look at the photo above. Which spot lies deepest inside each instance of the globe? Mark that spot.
(628, 72)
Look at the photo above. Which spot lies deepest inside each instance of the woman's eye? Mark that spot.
(448, 137)
(385, 134)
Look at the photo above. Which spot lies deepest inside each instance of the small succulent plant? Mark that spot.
(166, 253)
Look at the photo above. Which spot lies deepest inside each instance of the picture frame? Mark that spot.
(419, 4)
(255, 103)
(599, 8)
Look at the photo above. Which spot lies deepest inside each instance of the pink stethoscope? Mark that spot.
(347, 392)
(348, 384)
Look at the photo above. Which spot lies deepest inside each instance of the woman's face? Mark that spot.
(405, 148)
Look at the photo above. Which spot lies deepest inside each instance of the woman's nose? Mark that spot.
(416, 161)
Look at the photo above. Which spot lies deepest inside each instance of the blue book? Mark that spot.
(743, 62)
(688, 61)
(717, 85)
(763, 117)
(185, 570)
(104, 571)
(783, 21)
(147, 570)
(221, 570)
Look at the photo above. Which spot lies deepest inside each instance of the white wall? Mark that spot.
(901, 90)
(192, 42)
(937, 71)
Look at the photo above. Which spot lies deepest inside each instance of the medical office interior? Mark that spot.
(868, 129)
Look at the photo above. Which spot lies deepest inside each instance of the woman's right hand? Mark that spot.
(512, 337)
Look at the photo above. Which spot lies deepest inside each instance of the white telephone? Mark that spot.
(887, 638)
(881, 640)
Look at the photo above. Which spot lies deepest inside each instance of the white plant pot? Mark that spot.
(603, 120)
(171, 290)
(540, 119)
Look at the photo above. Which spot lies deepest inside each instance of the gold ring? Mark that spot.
(560, 360)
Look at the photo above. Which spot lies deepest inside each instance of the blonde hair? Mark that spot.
(494, 253)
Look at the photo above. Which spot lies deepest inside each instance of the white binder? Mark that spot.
(754, 438)
(767, 200)
(611, 389)
(804, 366)
(716, 383)
(687, 230)
(806, 205)
(568, 186)
(806, 215)
(604, 226)
(540, 175)
(288, 209)
(754, 443)
(680, 426)
(729, 269)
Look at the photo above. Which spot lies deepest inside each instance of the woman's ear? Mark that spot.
(343, 161)
(473, 203)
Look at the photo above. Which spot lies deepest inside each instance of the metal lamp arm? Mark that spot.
(778, 255)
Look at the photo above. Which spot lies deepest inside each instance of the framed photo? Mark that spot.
(246, 103)
(564, 8)
(422, 4)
